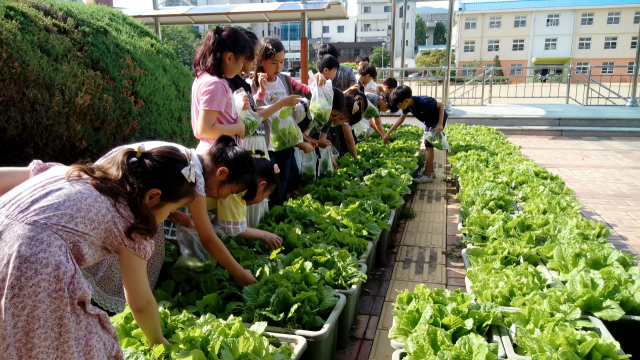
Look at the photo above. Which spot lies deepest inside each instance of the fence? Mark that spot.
(591, 85)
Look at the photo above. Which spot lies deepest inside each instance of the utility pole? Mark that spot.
(393, 33)
(404, 39)
(633, 99)
(304, 47)
(447, 65)
(156, 21)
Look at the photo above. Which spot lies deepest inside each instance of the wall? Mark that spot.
(563, 33)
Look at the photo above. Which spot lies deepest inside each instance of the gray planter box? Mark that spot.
(369, 256)
(298, 343)
(383, 242)
(350, 311)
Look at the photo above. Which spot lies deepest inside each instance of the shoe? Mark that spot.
(423, 180)
(433, 174)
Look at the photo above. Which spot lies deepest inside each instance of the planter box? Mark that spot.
(505, 334)
(399, 355)
(383, 242)
(350, 311)
(298, 343)
(625, 331)
(369, 256)
(321, 344)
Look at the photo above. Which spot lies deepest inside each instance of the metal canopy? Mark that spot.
(241, 13)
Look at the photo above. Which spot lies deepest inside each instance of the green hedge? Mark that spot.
(77, 80)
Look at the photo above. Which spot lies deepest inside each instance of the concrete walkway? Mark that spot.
(544, 111)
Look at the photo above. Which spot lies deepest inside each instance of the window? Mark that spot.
(356, 52)
(494, 45)
(407, 44)
(408, 7)
(407, 26)
(387, 9)
(613, 18)
(610, 42)
(467, 72)
(340, 29)
(521, 21)
(636, 18)
(586, 19)
(518, 45)
(634, 42)
(583, 67)
(550, 43)
(400, 12)
(469, 46)
(262, 33)
(630, 68)
(367, 27)
(606, 69)
(469, 23)
(584, 43)
(495, 22)
(516, 69)
(325, 29)
(553, 20)
(367, 9)
(388, 27)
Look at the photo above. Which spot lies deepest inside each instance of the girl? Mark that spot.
(339, 132)
(380, 104)
(270, 85)
(68, 218)
(222, 54)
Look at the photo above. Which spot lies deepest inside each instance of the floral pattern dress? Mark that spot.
(50, 229)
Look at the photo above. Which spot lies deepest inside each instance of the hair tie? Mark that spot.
(356, 107)
(139, 151)
(253, 152)
(276, 169)
(263, 157)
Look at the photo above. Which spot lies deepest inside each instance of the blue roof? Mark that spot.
(524, 4)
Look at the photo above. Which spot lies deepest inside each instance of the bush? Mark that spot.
(77, 80)
(350, 64)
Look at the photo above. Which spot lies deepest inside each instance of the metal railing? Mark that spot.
(591, 85)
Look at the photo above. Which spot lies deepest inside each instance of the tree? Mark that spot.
(496, 65)
(182, 40)
(433, 58)
(376, 57)
(421, 31)
(440, 34)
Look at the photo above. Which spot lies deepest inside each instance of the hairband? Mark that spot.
(139, 151)
(356, 107)
(189, 171)
(276, 169)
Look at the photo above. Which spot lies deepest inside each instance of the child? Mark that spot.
(338, 131)
(328, 66)
(344, 76)
(380, 104)
(270, 85)
(426, 109)
(368, 75)
(65, 219)
(361, 62)
(389, 85)
(222, 54)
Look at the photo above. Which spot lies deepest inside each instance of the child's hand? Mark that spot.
(241, 128)
(335, 164)
(311, 141)
(306, 147)
(262, 80)
(324, 143)
(272, 240)
(320, 79)
(291, 100)
(439, 127)
(182, 219)
(386, 139)
(245, 99)
(353, 87)
(245, 278)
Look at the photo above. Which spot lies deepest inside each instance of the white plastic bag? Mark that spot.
(194, 257)
(299, 154)
(362, 129)
(437, 139)
(370, 112)
(309, 162)
(250, 118)
(284, 132)
(327, 155)
(321, 100)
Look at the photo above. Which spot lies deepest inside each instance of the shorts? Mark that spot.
(444, 124)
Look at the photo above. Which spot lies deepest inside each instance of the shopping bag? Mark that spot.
(194, 258)
(362, 129)
(284, 132)
(437, 139)
(250, 118)
(321, 100)
(309, 162)
(327, 155)
(298, 154)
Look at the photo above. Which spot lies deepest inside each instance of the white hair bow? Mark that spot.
(189, 171)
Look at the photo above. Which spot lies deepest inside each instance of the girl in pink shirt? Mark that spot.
(222, 54)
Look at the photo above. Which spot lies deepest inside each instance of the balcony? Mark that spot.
(369, 32)
(374, 16)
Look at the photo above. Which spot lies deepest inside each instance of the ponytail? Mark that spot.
(225, 152)
(265, 171)
(208, 57)
(355, 105)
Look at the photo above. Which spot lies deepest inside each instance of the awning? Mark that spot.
(241, 13)
(565, 61)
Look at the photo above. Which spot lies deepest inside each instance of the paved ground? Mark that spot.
(604, 173)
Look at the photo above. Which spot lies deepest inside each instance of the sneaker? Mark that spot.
(423, 180)
(433, 174)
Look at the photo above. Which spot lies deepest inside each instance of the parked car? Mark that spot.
(415, 75)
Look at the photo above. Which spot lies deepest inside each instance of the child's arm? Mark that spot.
(323, 142)
(209, 128)
(215, 247)
(300, 86)
(377, 126)
(440, 125)
(304, 146)
(139, 295)
(272, 240)
(351, 143)
(11, 177)
(287, 101)
(394, 127)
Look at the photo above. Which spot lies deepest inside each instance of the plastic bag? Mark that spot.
(308, 167)
(371, 112)
(300, 112)
(437, 139)
(250, 118)
(362, 129)
(321, 100)
(326, 160)
(284, 133)
(194, 258)
(298, 154)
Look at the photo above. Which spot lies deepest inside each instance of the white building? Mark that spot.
(375, 19)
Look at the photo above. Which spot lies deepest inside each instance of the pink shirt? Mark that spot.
(210, 92)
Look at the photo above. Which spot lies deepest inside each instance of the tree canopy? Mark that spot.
(421, 31)
(440, 34)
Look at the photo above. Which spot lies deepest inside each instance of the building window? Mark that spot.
(467, 72)
(367, 9)
(387, 9)
(494, 45)
(469, 46)
(553, 20)
(356, 53)
(407, 26)
(516, 69)
(586, 19)
(584, 43)
(550, 43)
(262, 33)
(630, 68)
(367, 27)
(613, 18)
(408, 7)
(470, 23)
(634, 42)
(607, 69)
(636, 18)
(495, 22)
(518, 45)
(325, 29)
(340, 29)
(583, 67)
(388, 27)
(407, 41)
(521, 21)
(610, 42)
(400, 12)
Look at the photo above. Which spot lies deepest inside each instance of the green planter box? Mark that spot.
(350, 311)
(321, 344)
(383, 242)
(369, 256)
(298, 343)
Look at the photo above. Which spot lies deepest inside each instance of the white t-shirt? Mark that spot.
(371, 86)
(148, 145)
(274, 91)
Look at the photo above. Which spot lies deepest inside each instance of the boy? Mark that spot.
(426, 109)
(381, 103)
(389, 85)
(368, 75)
(328, 67)
(361, 61)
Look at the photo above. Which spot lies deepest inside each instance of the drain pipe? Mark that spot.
(633, 100)
(447, 65)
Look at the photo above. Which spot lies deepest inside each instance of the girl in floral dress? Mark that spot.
(68, 218)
